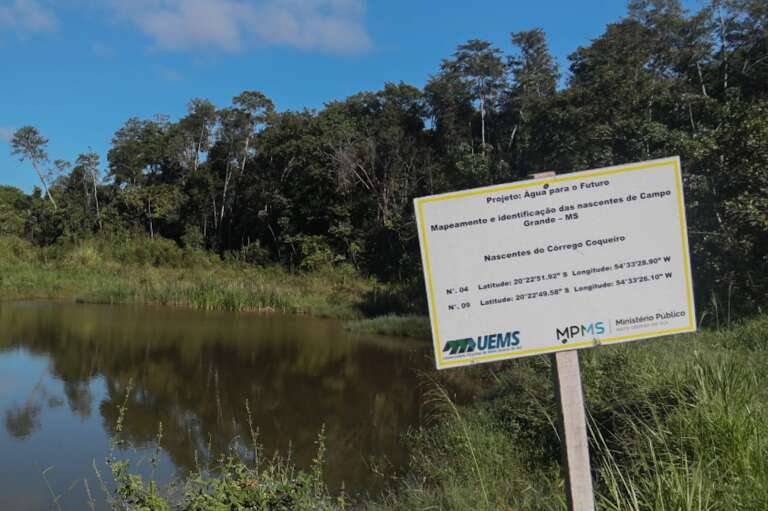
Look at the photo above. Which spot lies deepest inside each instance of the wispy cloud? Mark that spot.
(333, 26)
(6, 134)
(27, 16)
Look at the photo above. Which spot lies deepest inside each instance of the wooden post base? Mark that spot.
(573, 431)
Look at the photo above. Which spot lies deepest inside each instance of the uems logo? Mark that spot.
(591, 330)
(483, 343)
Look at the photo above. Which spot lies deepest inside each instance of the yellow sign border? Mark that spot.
(607, 171)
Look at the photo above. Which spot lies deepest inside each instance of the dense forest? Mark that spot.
(335, 186)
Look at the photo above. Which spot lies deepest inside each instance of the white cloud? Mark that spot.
(334, 26)
(6, 134)
(25, 16)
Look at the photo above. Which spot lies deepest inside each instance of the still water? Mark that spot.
(65, 368)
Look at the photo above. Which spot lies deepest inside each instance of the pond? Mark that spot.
(65, 369)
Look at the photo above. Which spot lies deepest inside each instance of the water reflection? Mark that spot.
(20, 421)
(194, 372)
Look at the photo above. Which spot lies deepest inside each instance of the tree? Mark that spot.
(742, 45)
(376, 147)
(136, 151)
(534, 82)
(88, 164)
(448, 102)
(479, 63)
(153, 202)
(196, 131)
(239, 124)
(30, 145)
(624, 91)
(533, 68)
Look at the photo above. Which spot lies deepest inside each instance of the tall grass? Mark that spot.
(158, 272)
(678, 424)
(709, 451)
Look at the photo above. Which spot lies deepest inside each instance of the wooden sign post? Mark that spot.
(572, 423)
(554, 264)
(573, 432)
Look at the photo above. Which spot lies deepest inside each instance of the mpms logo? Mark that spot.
(591, 330)
(483, 343)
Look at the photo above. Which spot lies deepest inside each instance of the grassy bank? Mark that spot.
(158, 272)
(675, 424)
(393, 325)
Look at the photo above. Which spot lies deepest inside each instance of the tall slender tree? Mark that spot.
(534, 75)
(88, 164)
(239, 125)
(29, 144)
(479, 63)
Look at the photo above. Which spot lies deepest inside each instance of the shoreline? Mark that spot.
(89, 273)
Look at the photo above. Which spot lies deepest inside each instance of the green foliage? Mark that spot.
(87, 255)
(13, 203)
(314, 252)
(703, 447)
(234, 483)
(16, 251)
(279, 487)
(193, 238)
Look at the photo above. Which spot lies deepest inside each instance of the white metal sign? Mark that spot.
(571, 261)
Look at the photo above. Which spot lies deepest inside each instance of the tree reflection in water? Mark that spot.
(20, 421)
(194, 371)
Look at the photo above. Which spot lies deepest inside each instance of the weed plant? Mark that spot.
(241, 479)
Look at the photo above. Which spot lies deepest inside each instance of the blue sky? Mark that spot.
(77, 69)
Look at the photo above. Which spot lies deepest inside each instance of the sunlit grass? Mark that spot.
(91, 273)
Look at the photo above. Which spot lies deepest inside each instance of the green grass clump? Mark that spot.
(675, 424)
(700, 441)
(394, 325)
(233, 483)
(241, 479)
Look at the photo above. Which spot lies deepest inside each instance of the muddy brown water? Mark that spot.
(65, 368)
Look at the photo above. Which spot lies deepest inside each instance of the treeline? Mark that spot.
(309, 188)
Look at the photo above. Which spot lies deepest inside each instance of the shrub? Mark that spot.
(16, 250)
(86, 254)
(146, 251)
